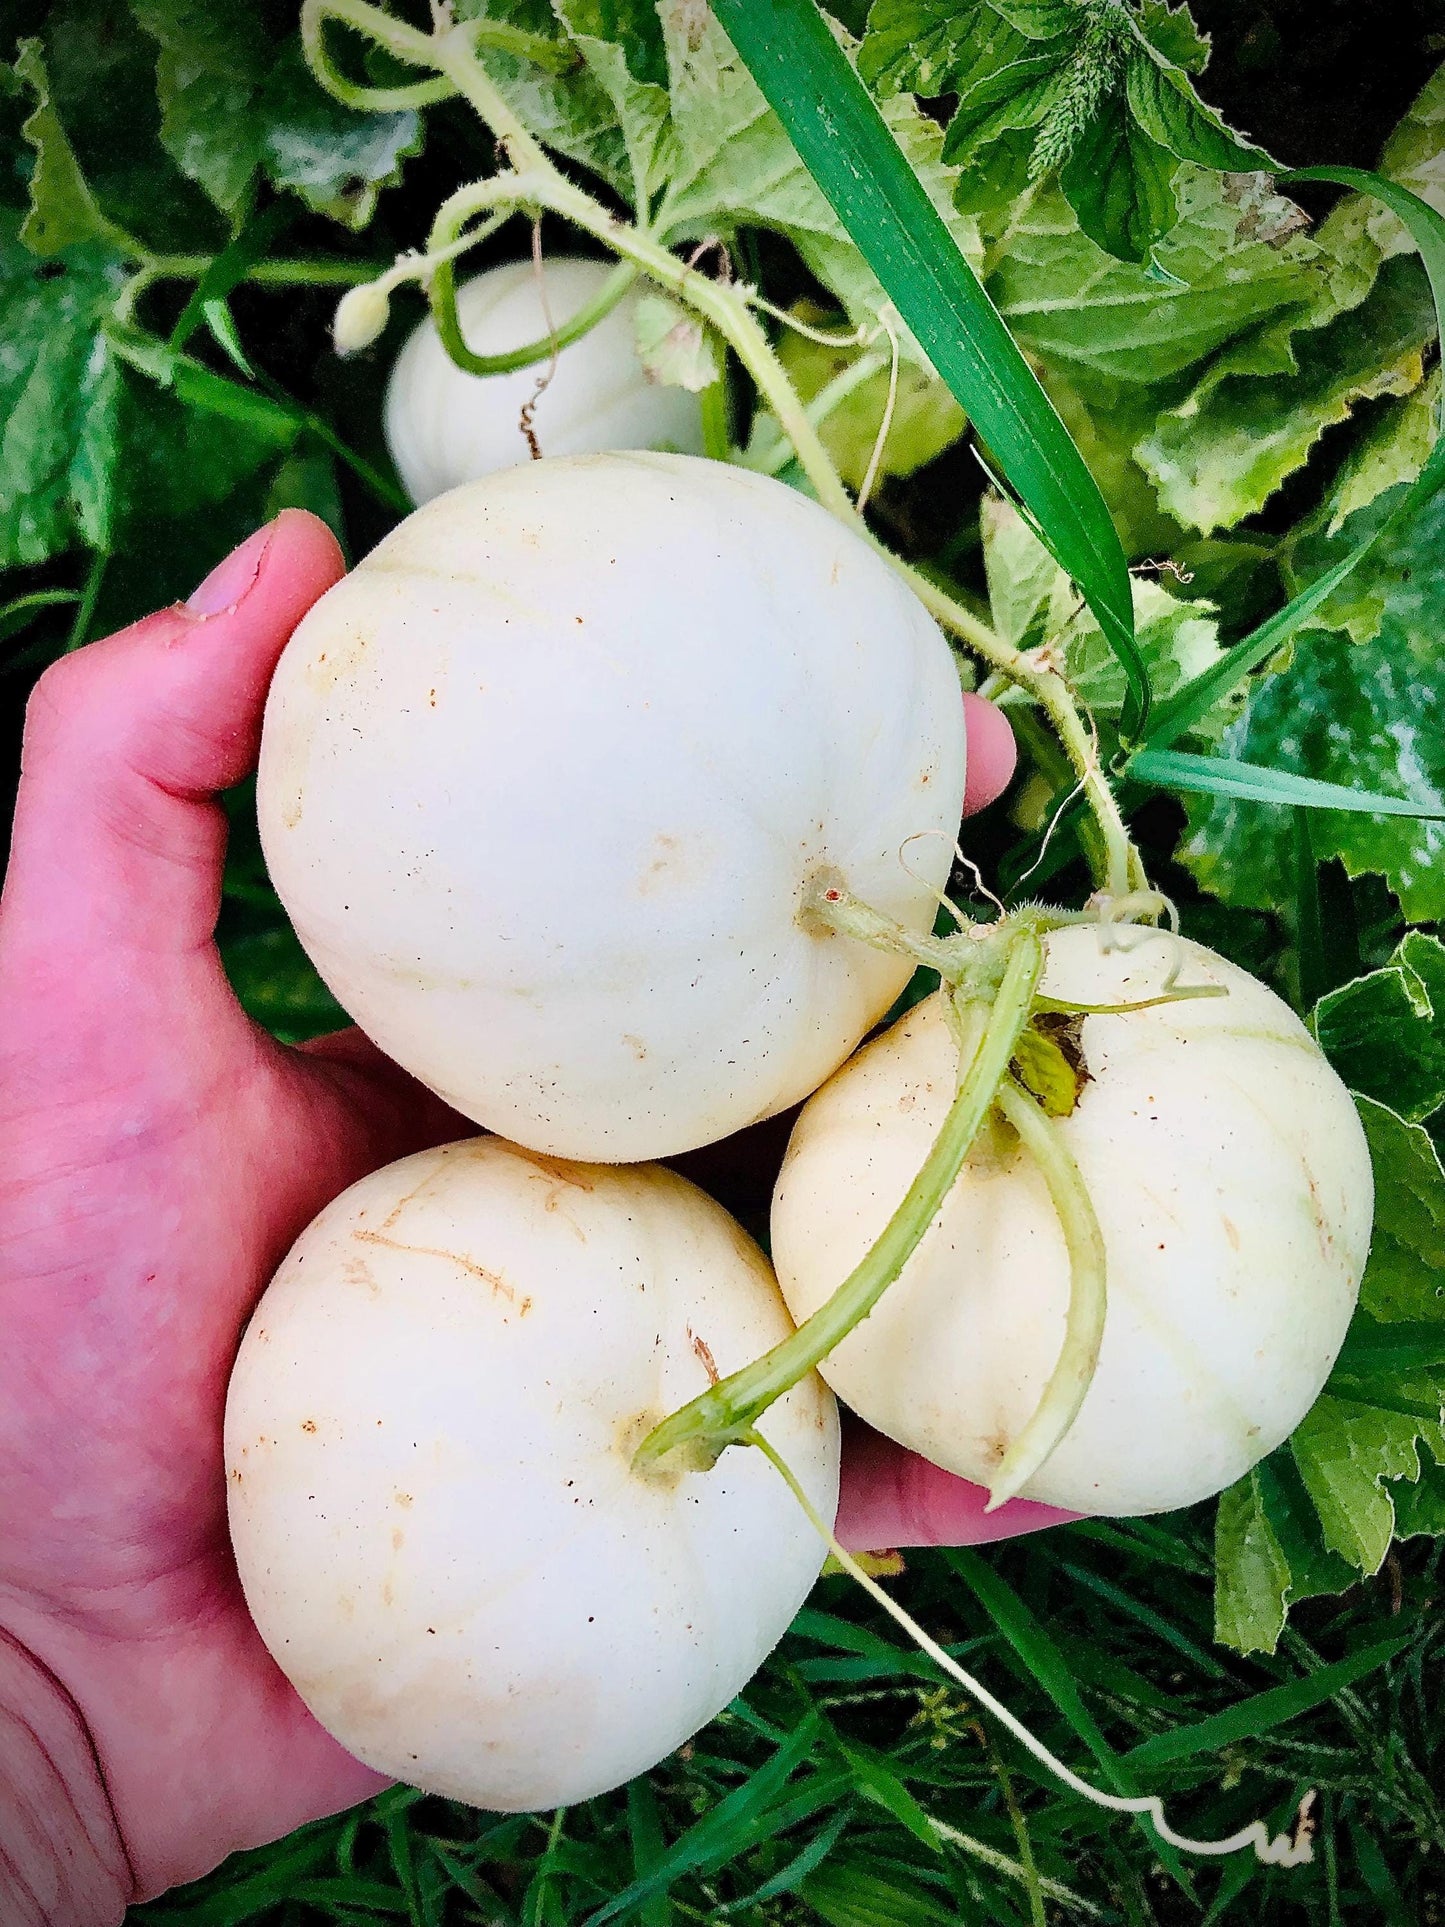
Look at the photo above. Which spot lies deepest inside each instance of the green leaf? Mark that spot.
(1253, 1574)
(1420, 1508)
(1220, 456)
(1404, 1279)
(1171, 31)
(1236, 260)
(934, 46)
(102, 71)
(1034, 606)
(632, 26)
(63, 213)
(1393, 451)
(176, 462)
(1169, 111)
(562, 104)
(622, 44)
(1019, 95)
(1039, 19)
(1398, 518)
(1385, 1032)
(898, 229)
(1269, 1555)
(1120, 183)
(59, 398)
(1365, 716)
(673, 345)
(1114, 109)
(735, 167)
(1368, 1455)
(1414, 156)
(1345, 1450)
(235, 101)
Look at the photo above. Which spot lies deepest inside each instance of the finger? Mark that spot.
(891, 1497)
(992, 753)
(118, 842)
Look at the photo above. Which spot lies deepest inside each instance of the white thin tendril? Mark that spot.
(544, 380)
(858, 338)
(885, 427)
(1292, 1849)
(1054, 823)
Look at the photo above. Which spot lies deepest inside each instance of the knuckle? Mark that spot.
(55, 695)
(67, 702)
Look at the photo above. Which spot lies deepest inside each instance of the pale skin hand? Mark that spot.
(158, 1154)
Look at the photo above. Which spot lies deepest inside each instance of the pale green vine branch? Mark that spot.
(1088, 1298)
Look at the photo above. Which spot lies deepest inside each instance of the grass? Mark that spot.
(851, 1785)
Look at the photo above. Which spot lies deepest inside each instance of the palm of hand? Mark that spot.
(159, 1153)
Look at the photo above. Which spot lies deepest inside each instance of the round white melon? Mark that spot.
(445, 427)
(1232, 1183)
(546, 780)
(428, 1447)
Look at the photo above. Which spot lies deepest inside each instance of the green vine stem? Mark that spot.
(443, 297)
(695, 1436)
(1088, 1297)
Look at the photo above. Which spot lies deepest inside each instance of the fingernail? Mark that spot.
(230, 581)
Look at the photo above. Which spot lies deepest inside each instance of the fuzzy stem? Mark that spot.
(1050, 691)
(443, 298)
(407, 44)
(1284, 1850)
(275, 274)
(831, 906)
(694, 1437)
(724, 307)
(1084, 1326)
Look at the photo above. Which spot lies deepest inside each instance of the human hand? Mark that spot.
(158, 1155)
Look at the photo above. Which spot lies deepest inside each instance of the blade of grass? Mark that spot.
(1143, 1539)
(796, 1870)
(644, 1826)
(739, 1821)
(1309, 932)
(1261, 1712)
(1255, 783)
(1046, 1664)
(876, 1779)
(845, 144)
(1156, 1623)
(1375, 1874)
(231, 266)
(19, 614)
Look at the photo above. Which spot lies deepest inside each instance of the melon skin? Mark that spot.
(1232, 1182)
(546, 781)
(445, 427)
(428, 1445)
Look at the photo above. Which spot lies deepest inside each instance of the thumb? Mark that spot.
(891, 1497)
(118, 841)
